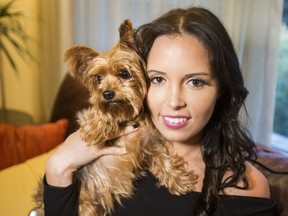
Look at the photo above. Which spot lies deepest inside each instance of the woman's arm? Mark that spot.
(74, 153)
(60, 191)
(61, 201)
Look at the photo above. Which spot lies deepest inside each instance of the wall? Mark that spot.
(22, 92)
(49, 24)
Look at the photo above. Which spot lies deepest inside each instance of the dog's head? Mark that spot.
(116, 78)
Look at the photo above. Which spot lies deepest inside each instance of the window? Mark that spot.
(280, 127)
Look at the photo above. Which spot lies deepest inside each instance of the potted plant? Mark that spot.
(12, 35)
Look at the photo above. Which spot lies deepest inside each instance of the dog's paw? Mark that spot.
(92, 136)
(92, 129)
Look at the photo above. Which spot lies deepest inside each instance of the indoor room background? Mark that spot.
(53, 26)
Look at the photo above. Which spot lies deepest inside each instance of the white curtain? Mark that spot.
(260, 59)
(57, 36)
(253, 25)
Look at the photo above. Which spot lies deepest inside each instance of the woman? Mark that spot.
(195, 94)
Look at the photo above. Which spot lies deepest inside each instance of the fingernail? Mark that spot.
(135, 125)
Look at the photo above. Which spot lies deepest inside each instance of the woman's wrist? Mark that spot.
(57, 174)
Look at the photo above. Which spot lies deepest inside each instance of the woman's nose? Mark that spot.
(175, 99)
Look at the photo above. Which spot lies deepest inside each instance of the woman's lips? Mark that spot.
(175, 122)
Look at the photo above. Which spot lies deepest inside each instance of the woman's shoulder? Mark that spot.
(258, 184)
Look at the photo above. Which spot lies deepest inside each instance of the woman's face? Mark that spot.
(182, 92)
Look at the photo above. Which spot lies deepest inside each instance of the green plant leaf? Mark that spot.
(9, 57)
(20, 49)
(12, 33)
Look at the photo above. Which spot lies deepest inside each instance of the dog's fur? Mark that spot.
(117, 84)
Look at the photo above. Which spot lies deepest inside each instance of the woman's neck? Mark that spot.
(189, 152)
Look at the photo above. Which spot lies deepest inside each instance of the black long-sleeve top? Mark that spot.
(150, 200)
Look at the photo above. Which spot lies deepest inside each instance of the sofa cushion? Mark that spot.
(19, 183)
(274, 165)
(18, 144)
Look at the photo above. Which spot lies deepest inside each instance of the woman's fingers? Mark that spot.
(113, 151)
(127, 130)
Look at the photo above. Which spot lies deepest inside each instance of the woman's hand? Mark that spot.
(73, 154)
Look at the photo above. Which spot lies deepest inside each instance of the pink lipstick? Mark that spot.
(175, 122)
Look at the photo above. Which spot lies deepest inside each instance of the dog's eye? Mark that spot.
(125, 75)
(99, 78)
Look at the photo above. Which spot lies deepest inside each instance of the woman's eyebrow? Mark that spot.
(155, 71)
(187, 75)
(198, 74)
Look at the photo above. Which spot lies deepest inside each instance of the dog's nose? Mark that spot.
(108, 94)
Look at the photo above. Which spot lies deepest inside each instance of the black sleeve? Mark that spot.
(61, 201)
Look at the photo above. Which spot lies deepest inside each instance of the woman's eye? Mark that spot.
(98, 78)
(196, 82)
(157, 80)
(125, 75)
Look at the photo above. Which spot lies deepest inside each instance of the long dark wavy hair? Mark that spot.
(226, 144)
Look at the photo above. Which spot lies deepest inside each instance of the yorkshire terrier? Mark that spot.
(117, 84)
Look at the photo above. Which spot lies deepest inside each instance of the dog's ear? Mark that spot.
(78, 59)
(126, 32)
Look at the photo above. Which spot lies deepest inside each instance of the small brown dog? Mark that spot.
(117, 84)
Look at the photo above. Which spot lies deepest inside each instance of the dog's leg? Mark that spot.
(171, 173)
(95, 129)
